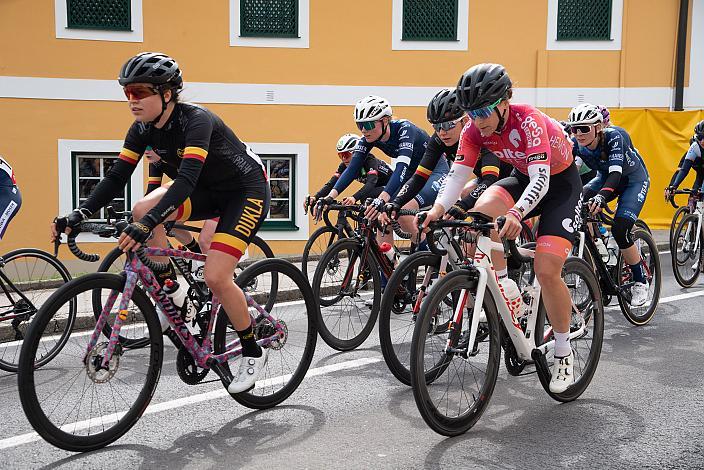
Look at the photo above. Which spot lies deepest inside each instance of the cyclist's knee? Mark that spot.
(621, 231)
(548, 270)
(469, 187)
(219, 271)
(495, 201)
(141, 207)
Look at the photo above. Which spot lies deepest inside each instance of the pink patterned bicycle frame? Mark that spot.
(202, 355)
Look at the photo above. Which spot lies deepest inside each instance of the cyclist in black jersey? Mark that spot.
(374, 174)
(692, 159)
(216, 176)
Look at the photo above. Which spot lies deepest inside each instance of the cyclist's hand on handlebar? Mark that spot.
(669, 192)
(309, 201)
(424, 218)
(457, 211)
(596, 203)
(349, 201)
(134, 235)
(391, 210)
(68, 223)
(373, 209)
(512, 227)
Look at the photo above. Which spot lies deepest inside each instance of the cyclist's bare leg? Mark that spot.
(219, 271)
(184, 237)
(631, 255)
(206, 234)
(468, 188)
(407, 222)
(558, 304)
(143, 206)
(493, 205)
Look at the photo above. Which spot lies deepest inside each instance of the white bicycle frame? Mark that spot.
(524, 342)
(687, 233)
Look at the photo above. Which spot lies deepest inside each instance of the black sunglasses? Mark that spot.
(580, 129)
(445, 126)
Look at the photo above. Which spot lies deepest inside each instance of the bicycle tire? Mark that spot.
(655, 281)
(268, 254)
(400, 369)
(31, 404)
(222, 326)
(434, 417)
(9, 355)
(676, 251)
(306, 257)
(594, 315)
(353, 248)
(677, 218)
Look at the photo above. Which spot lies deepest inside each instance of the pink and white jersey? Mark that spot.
(529, 137)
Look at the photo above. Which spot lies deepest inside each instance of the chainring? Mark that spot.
(187, 369)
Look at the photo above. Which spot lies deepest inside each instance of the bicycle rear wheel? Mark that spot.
(80, 406)
(258, 250)
(686, 251)
(452, 390)
(289, 358)
(587, 311)
(650, 257)
(348, 286)
(317, 244)
(35, 274)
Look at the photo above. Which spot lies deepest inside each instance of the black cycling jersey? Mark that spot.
(692, 159)
(156, 172)
(374, 173)
(191, 134)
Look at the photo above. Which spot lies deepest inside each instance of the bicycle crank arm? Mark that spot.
(542, 368)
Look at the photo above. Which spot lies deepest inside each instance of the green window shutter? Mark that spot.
(584, 20)
(429, 20)
(112, 15)
(269, 18)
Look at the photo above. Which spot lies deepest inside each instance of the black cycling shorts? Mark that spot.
(241, 213)
(559, 209)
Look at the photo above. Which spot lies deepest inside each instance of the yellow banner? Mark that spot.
(661, 137)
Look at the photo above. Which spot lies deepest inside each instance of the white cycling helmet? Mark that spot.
(347, 142)
(585, 114)
(371, 108)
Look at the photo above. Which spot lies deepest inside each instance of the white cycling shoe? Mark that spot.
(639, 294)
(562, 374)
(249, 370)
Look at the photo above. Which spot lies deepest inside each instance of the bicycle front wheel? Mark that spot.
(679, 216)
(650, 258)
(31, 277)
(348, 285)
(687, 251)
(453, 389)
(73, 401)
(294, 311)
(317, 244)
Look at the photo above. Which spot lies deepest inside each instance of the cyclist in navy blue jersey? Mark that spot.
(400, 139)
(621, 174)
(693, 159)
(10, 197)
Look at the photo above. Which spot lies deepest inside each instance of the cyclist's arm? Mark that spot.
(403, 159)
(693, 153)
(371, 165)
(617, 158)
(538, 154)
(489, 176)
(327, 187)
(119, 174)
(194, 154)
(432, 155)
(677, 170)
(155, 175)
(353, 169)
(462, 170)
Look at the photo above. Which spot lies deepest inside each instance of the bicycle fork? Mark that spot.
(456, 323)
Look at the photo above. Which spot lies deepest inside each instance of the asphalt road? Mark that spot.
(644, 409)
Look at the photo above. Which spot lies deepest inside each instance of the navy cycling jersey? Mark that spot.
(692, 159)
(406, 146)
(615, 156)
(194, 142)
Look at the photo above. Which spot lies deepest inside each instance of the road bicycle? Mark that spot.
(681, 212)
(97, 387)
(686, 251)
(465, 322)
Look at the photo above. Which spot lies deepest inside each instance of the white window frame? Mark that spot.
(613, 45)
(66, 148)
(301, 42)
(291, 197)
(64, 32)
(300, 154)
(462, 43)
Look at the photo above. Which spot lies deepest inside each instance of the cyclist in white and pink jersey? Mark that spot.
(545, 182)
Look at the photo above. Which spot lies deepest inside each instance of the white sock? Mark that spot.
(502, 273)
(562, 344)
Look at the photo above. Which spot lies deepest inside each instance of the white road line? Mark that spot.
(186, 401)
(666, 300)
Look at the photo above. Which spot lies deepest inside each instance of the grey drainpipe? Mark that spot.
(681, 55)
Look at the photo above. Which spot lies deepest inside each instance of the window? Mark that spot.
(269, 18)
(584, 20)
(584, 25)
(430, 25)
(429, 20)
(88, 170)
(111, 15)
(281, 170)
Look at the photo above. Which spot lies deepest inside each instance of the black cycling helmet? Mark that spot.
(699, 129)
(483, 85)
(151, 67)
(444, 107)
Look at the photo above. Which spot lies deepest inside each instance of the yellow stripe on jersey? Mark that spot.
(195, 151)
(423, 171)
(129, 156)
(490, 169)
(229, 244)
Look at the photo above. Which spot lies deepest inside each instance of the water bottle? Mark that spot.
(390, 252)
(612, 247)
(179, 297)
(513, 297)
(600, 246)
